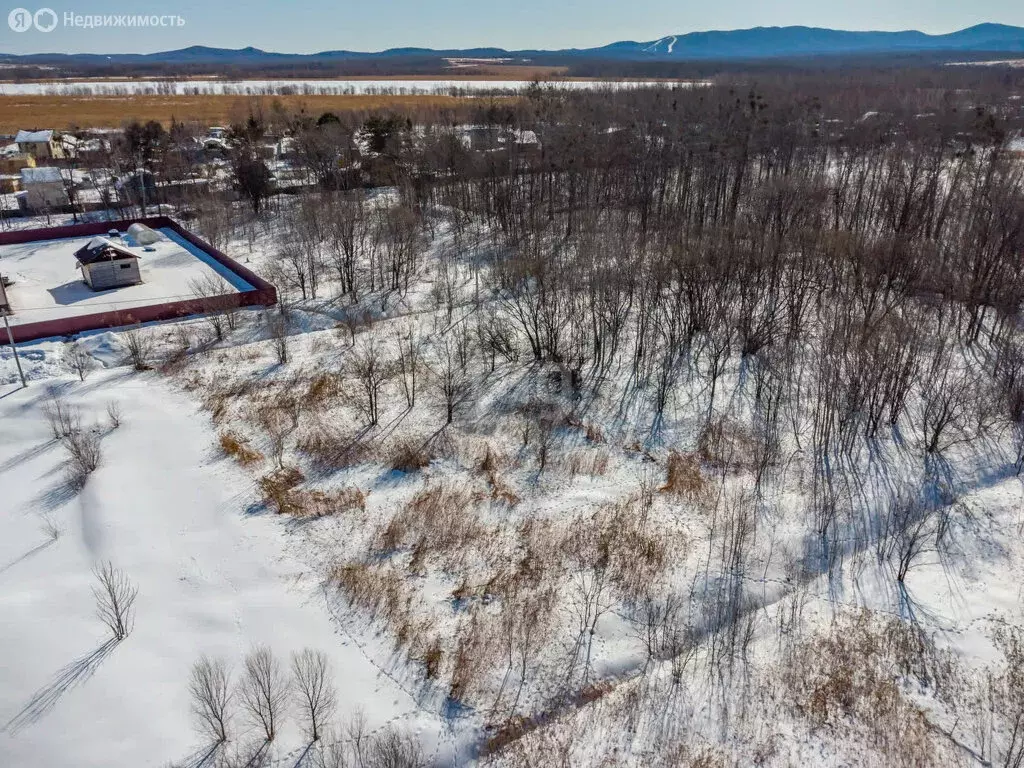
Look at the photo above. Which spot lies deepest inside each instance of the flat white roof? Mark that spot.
(41, 175)
(33, 137)
(48, 286)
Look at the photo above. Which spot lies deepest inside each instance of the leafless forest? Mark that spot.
(666, 367)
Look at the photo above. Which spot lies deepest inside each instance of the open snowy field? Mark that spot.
(213, 578)
(310, 87)
(48, 285)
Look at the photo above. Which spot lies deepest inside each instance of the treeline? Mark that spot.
(808, 282)
(862, 266)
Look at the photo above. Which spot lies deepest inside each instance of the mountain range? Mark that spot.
(756, 43)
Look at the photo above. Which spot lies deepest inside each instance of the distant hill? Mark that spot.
(756, 43)
(775, 42)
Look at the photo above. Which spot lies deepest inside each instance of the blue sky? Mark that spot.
(313, 25)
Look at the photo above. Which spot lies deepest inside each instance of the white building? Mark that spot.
(44, 145)
(44, 188)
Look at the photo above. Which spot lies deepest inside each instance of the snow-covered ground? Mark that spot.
(213, 578)
(327, 87)
(48, 285)
(537, 566)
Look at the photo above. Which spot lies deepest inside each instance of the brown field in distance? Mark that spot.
(65, 112)
(467, 71)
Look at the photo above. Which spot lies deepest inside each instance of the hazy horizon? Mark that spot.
(318, 25)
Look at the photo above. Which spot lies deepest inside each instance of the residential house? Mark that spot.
(45, 145)
(44, 188)
(10, 183)
(14, 162)
(138, 188)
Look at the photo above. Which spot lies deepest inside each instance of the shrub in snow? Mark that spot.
(115, 599)
(114, 414)
(392, 749)
(64, 420)
(138, 347)
(84, 453)
(78, 360)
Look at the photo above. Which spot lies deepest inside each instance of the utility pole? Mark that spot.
(140, 176)
(14, 349)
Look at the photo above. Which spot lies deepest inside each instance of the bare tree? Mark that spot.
(115, 599)
(314, 689)
(210, 689)
(277, 325)
(279, 425)
(64, 420)
(114, 414)
(79, 360)
(409, 361)
(84, 453)
(330, 754)
(205, 290)
(948, 394)
(263, 691)
(139, 347)
(1007, 697)
(392, 749)
(357, 734)
(372, 371)
(454, 386)
(908, 529)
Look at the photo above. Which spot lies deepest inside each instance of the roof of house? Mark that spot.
(33, 137)
(102, 249)
(40, 175)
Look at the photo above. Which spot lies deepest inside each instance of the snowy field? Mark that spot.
(48, 286)
(213, 578)
(310, 87)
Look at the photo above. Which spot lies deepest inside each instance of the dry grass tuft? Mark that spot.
(850, 676)
(238, 448)
(277, 487)
(438, 521)
(217, 405)
(501, 491)
(382, 593)
(330, 451)
(490, 462)
(280, 490)
(378, 590)
(431, 659)
(323, 390)
(410, 456)
(729, 445)
(586, 461)
(303, 503)
(683, 476)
